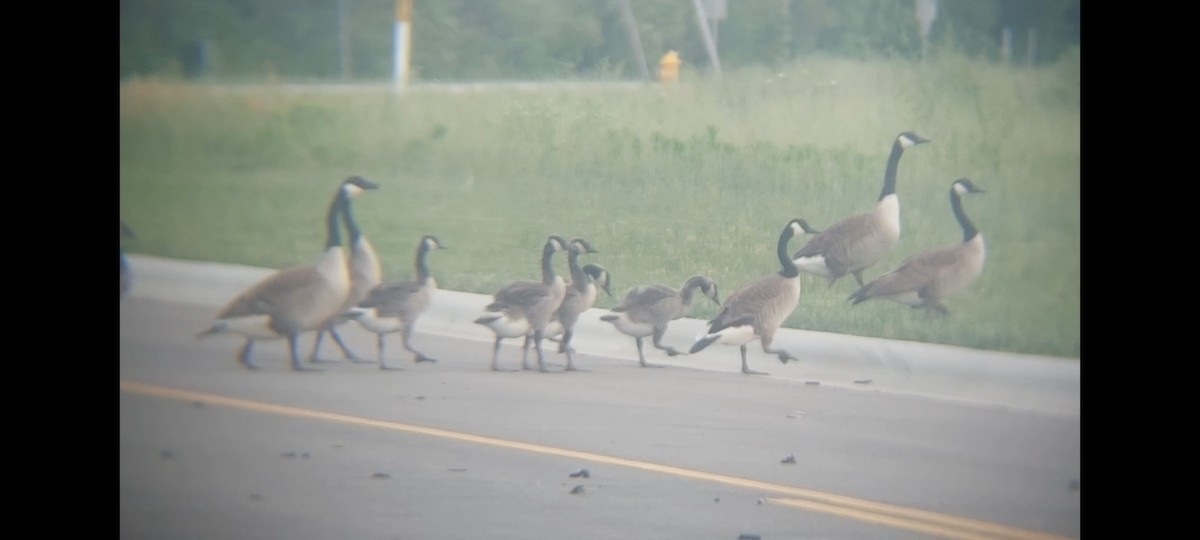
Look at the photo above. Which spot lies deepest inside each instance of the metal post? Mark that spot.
(926, 14)
(402, 40)
(709, 46)
(635, 40)
(716, 36)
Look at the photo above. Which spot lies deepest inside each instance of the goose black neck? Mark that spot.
(422, 268)
(789, 269)
(889, 176)
(688, 290)
(351, 225)
(968, 228)
(547, 268)
(334, 234)
(578, 277)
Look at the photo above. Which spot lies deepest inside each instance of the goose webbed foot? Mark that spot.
(746, 367)
(422, 358)
(297, 365)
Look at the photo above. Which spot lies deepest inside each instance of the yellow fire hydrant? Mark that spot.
(668, 67)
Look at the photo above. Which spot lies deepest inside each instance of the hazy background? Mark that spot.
(548, 39)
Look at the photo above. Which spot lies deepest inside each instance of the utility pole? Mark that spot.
(926, 14)
(635, 40)
(702, 18)
(402, 41)
(714, 11)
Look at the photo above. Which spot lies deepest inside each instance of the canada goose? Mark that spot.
(365, 274)
(523, 307)
(856, 242)
(926, 278)
(581, 295)
(580, 290)
(126, 273)
(757, 309)
(596, 275)
(296, 299)
(395, 306)
(646, 311)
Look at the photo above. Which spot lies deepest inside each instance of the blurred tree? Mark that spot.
(532, 39)
(756, 33)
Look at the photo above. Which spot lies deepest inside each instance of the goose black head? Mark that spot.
(429, 242)
(806, 228)
(963, 186)
(555, 243)
(598, 274)
(579, 245)
(356, 184)
(908, 139)
(709, 288)
(800, 226)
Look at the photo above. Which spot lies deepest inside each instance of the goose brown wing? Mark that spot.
(389, 298)
(917, 271)
(649, 304)
(838, 243)
(744, 305)
(269, 294)
(647, 296)
(520, 294)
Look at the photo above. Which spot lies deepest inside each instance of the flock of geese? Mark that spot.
(339, 288)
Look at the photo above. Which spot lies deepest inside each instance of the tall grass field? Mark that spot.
(666, 181)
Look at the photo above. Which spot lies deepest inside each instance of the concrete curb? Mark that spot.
(1042, 384)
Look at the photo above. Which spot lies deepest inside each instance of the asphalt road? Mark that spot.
(454, 450)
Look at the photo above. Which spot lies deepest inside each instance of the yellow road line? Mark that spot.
(899, 523)
(896, 516)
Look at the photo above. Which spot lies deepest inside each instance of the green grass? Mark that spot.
(664, 181)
